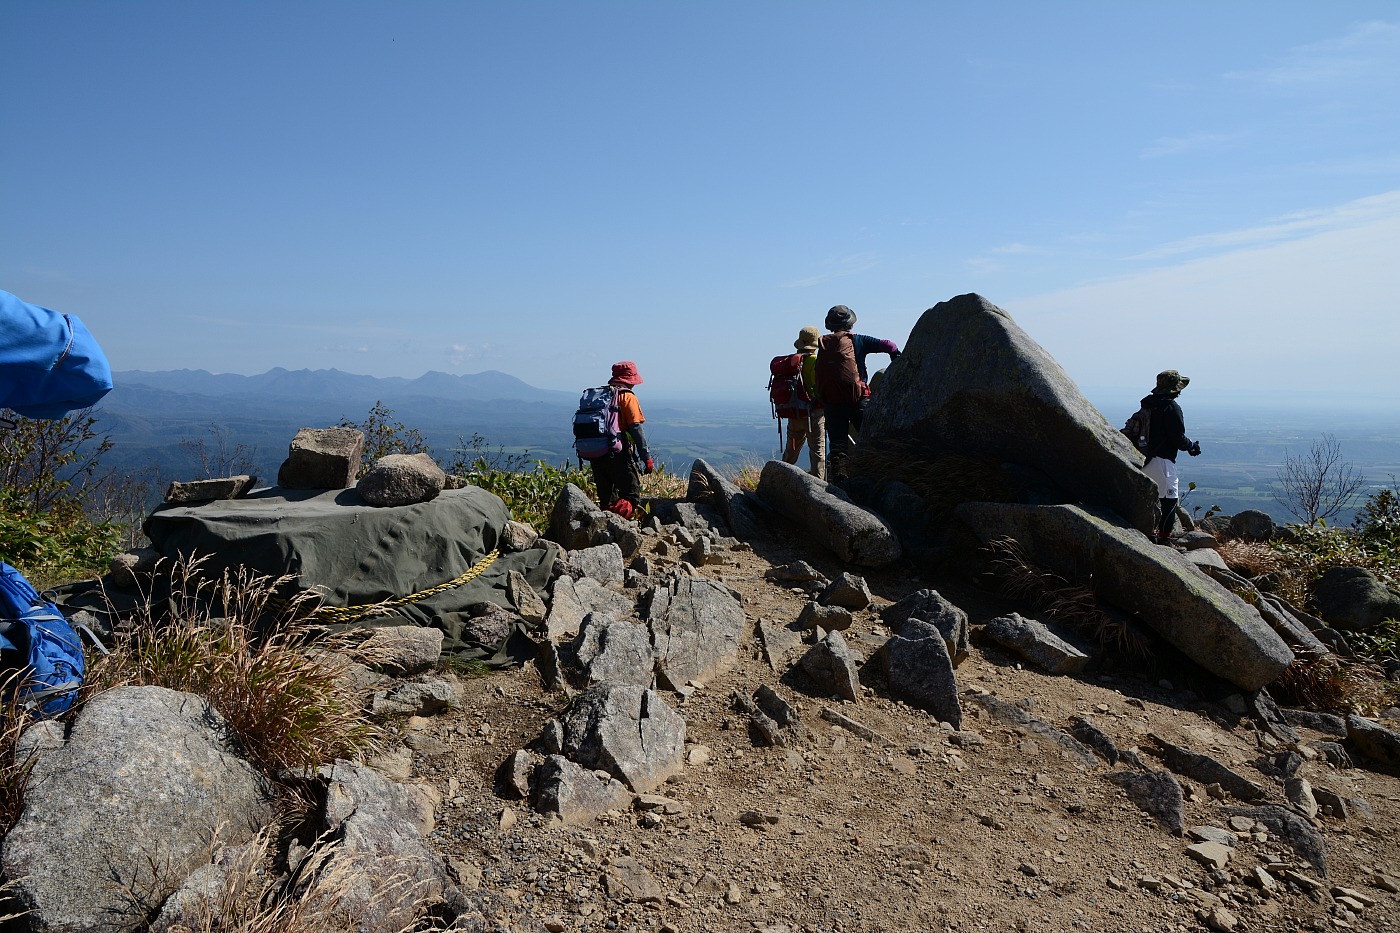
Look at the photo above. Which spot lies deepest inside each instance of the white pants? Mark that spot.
(1163, 473)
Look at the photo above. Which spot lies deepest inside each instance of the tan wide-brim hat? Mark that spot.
(807, 338)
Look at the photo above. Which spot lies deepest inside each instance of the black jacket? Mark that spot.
(1167, 434)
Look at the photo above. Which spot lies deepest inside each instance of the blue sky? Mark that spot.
(545, 187)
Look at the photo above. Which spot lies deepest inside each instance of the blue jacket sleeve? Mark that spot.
(49, 363)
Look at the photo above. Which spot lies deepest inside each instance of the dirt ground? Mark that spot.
(995, 830)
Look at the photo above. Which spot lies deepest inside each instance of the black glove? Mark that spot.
(1195, 449)
(894, 355)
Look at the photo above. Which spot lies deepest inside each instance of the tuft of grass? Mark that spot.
(1249, 558)
(663, 484)
(1065, 602)
(1337, 686)
(14, 772)
(247, 897)
(234, 641)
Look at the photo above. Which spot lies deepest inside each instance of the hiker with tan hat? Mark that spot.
(807, 426)
(1166, 437)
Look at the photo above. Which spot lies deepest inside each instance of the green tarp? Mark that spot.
(355, 554)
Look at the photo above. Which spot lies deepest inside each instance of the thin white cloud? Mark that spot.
(1183, 145)
(1292, 226)
(1369, 51)
(987, 263)
(1316, 311)
(853, 264)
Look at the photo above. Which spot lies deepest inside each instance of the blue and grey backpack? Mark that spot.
(38, 648)
(596, 431)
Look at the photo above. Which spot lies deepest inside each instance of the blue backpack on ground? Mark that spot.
(596, 431)
(49, 363)
(37, 646)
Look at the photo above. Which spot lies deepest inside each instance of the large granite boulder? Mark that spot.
(971, 383)
(828, 515)
(1353, 599)
(147, 782)
(1208, 623)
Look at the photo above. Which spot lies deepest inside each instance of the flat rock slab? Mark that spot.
(1292, 829)
(781, 644)
(202, 490)
(1207, 770)
(696, 625)
(1038, 643)
(1208, 623)
(828, 515)
(627, 731)
(1156, 793)
(1013, 715)
(614, 651)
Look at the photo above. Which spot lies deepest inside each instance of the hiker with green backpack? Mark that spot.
(792, 392)
(843, 384)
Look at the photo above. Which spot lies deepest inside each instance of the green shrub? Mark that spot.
(47, 470)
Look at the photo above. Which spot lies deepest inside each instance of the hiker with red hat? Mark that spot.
(617, 477)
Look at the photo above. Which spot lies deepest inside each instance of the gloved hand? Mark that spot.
(1195, 449)
(650, 466)
(894, 355)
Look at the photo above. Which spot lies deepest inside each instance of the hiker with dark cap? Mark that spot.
(1166, 437)
(843, 384)
(808, 427)
(617, 477)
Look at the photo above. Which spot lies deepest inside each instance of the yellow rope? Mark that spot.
(352, 613)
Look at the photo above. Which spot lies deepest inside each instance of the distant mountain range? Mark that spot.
(334, 385)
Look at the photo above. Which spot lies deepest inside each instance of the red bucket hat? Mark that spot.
(626, 373)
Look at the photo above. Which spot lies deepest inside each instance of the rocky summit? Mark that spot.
(791, 708)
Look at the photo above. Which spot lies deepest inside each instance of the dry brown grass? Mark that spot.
(248, 896)
(1062, 601)
(1336, 686)
(14, 772)
(1250, 559)
(664, 484)
(234, 641)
